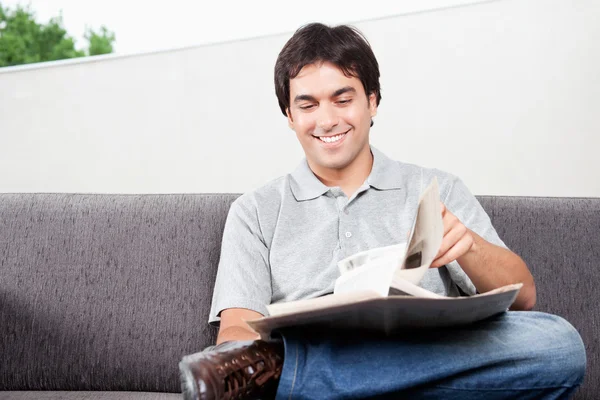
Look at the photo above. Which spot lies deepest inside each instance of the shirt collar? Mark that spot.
(385, 175)
(304, 184)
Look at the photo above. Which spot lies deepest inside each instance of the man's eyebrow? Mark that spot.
(345, 89)
(339, 92)
(304, 97)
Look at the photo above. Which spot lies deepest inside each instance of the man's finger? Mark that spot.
(454, 253)
(437, 263)
(451, 238)
(448, 223)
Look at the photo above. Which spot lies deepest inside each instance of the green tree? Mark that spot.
(23, 40)
(100, 43)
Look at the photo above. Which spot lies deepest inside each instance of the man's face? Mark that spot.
(331, 116)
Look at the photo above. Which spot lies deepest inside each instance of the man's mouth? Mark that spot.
(332, 139)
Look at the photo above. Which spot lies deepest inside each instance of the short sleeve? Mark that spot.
(243, 276)
(469, 211)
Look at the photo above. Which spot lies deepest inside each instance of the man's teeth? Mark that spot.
(331, 139)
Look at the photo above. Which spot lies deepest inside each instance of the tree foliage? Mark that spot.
(23, 40)
(100, 42)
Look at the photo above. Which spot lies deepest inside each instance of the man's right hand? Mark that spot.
(234, 327)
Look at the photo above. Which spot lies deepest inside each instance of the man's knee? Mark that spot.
(555, 349)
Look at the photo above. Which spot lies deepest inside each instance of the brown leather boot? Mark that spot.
(233, 370)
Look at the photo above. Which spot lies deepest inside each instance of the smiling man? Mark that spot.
(282, 242)
(331, 115)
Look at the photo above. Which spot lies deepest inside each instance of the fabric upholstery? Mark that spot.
(77, 395)
(108, 292)
(105, 292)
(559, 239)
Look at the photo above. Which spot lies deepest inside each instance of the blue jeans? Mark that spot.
(524, 355)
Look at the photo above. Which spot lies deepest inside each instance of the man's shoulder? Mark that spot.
(419, 176)
(452, 189)
(258, 209)
(266, 196)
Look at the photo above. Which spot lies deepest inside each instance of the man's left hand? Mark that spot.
(458, 240)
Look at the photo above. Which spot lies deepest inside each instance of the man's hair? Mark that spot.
(343, 46)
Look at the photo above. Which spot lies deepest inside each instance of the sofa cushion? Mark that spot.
(83, 395)
(75, 395)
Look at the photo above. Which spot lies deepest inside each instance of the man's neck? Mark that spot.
(350, 178)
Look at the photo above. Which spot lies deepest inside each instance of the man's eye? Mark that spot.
(344, 101)
(307, 107)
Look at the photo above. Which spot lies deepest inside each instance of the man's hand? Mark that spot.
(233, 326)
(487, 265)
(457, 241)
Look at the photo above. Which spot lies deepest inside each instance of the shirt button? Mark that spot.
(348, 234)
(346, 211)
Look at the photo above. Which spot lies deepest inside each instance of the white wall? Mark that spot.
(505, 94)
(189, 22)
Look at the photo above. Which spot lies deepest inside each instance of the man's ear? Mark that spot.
(289, 118)
(373, 104)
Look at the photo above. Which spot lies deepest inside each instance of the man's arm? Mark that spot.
(233, 326)
(487, 265)
(243, 283)
(490, 266)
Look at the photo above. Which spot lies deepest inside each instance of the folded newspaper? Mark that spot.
(378, 288)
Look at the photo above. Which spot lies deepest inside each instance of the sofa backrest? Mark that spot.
(105, 292)
(108, 292)
(559, 239)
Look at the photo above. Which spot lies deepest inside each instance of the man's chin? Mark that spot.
(332, 163)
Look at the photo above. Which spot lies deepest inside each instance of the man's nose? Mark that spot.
(327, 118)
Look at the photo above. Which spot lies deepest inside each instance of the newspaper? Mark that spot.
(380, 268)
(378, 288)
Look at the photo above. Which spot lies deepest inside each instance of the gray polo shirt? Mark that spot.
(282, 241)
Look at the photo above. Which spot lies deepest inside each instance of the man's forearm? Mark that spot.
(490, 266)
(236, 333)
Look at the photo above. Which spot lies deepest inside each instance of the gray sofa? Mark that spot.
(101, 295)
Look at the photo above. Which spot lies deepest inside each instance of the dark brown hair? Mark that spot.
(343, 46)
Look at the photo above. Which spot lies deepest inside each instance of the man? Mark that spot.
(282, 242)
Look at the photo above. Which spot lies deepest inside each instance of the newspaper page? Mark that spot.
(370, 256)
(389, 314)
(377, 269)
(426, 236)
(376, 273)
